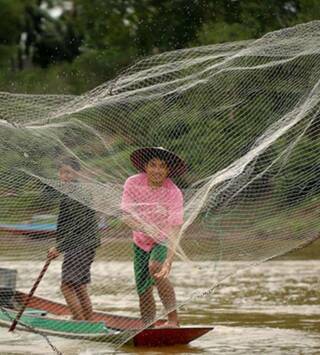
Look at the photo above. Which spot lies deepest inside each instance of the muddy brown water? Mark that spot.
(271, 308)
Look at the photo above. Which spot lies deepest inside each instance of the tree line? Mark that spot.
(59, 46)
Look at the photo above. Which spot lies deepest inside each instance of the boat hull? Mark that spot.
(105, 327)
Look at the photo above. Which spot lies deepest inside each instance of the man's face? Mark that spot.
(67, 174)
(157, 171)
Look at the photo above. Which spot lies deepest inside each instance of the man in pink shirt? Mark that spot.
(153, 208)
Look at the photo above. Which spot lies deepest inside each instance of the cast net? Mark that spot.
(244, 117)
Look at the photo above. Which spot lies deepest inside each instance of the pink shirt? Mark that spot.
(160, 208)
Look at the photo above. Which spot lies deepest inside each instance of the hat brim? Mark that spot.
(176, 165)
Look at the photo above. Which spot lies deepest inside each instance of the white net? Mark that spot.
(244, 117)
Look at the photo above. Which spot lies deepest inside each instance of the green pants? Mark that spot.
(141, 265)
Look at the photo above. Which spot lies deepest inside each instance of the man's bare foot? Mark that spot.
(169, 324)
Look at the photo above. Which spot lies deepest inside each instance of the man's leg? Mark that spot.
(147, 306)
(144, 285)
(71, 297)
(166, 294)
(85, 260)
(85, 302)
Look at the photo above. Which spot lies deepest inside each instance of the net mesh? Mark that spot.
(243, 116)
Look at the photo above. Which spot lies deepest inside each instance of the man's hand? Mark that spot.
(53, 253)
(139, 226)
(165, 270)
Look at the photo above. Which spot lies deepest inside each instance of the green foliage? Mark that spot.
(11, 24)
(93, 64)
(302, 174)
(56, 79)
(97, 39)
(308, 10)
(220, 32)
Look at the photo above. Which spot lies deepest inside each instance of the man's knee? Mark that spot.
(64, 287)
(82, 289)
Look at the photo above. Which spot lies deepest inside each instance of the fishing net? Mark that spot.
(243, 116)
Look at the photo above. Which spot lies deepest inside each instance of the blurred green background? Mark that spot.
(57, 46)
(69, 47)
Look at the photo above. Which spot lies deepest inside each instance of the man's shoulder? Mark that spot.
(172, 186)
(136, 179)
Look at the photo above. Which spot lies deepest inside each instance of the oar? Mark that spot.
(34, 287)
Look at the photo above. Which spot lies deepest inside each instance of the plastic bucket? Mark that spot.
(8, 278)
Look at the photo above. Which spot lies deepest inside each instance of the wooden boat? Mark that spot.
(43, 316)
(35, 229)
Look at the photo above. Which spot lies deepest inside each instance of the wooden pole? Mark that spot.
(32, 291)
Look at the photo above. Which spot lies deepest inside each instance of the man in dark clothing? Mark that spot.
(78, 238)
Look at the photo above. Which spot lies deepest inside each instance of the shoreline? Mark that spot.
(20, 246)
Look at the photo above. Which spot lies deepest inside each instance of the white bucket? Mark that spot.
(8, 278)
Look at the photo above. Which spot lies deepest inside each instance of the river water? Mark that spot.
(271, 308)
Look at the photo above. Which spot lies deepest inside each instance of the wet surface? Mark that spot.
(273, 308)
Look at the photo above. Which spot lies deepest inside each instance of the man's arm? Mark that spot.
(166, 267)
(53, 253)
(137, 225)
(130, 221)
(175, 220)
